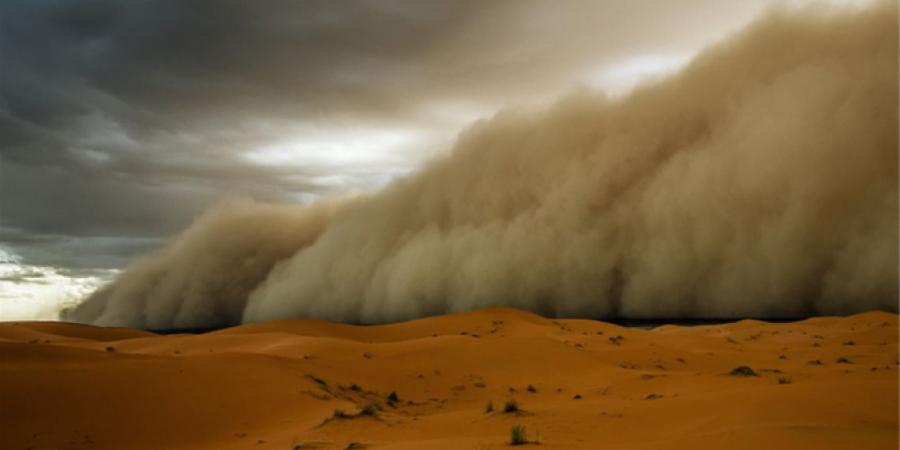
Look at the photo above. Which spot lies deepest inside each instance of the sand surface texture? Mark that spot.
(823, 383)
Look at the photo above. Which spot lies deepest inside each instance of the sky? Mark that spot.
(120, 122)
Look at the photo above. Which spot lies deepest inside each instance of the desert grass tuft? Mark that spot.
(743, 371)
(517, 435)
(317, 380)
(392, 397)
(370, 409)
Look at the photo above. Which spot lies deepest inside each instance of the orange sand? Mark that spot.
(66, 386)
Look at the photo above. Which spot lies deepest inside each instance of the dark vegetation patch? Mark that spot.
(743, 371)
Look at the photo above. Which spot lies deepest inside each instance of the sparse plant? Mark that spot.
(743, 371)
(340, 414)
(370, 409)
(511, 406)
(317, 380)
(392, 397)
(531, 389)
(489, 408)
(517, 435)
(843, 360)
(784, 380)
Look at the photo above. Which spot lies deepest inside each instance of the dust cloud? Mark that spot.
(759, 181)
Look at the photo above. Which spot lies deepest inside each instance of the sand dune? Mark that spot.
(593, 385)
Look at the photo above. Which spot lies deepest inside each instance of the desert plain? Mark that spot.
(823, 383)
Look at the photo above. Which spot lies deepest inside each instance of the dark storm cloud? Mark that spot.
(153, 65)
(74, 254)
(122, 120)
(111, 113)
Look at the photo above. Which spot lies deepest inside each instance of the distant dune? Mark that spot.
(821, 383)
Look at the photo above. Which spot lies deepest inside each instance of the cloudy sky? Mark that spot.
(121, 121)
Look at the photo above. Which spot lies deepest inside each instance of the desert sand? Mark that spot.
(823, 383)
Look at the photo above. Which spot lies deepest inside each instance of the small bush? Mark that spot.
(531, 389)
(392, 397)
(843, 360)
(317, 380)
(510, 406)
(517, 435)
(370, 409)
(784, 380)
(743, 371)
(340, 414)
(489, 408)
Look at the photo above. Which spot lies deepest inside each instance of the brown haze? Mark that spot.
(759, 181)
(204, 276)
